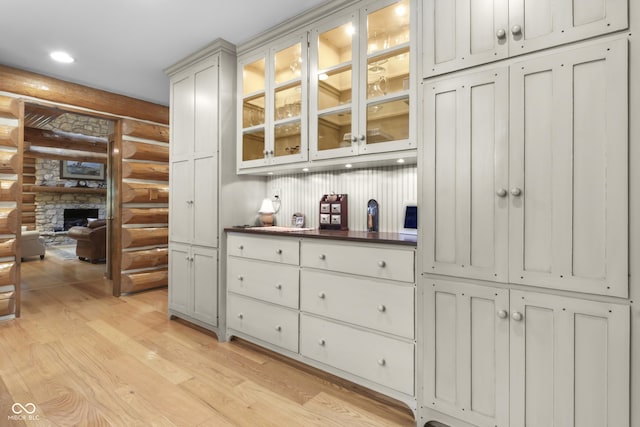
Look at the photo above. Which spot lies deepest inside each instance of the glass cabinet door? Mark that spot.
(384, 87)
(289, 130)
(252, 115)
(332, 90)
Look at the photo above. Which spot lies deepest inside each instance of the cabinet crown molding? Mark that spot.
(216, 46)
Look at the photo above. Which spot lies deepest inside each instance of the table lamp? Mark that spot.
(266, 212)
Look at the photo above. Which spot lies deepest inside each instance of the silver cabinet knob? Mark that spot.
(266, 153)
(322, 256)
(501, 33)
(503, 314)
(240, 278)
(278, 286)
(322, 295)
(517, 316)
(191, 259)
(516, 29)
(515, 191)
(501, 192)
(382, 308)
(321, 342)
(271, 152)
(362, 137)
(354, 139)
(382, 362)
(240, 247)
(382, 264)
(279, 251)
(278, 328)
(240, 316)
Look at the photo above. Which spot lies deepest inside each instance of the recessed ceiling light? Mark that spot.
(401, 10)
(63, 57)
(348, 165)
(400, 160)
(305, 169)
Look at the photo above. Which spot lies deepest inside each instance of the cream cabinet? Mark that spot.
(499, 357)
(514, 189)
(463, 33)
(361, 66)
(272, 107)
(193, 290)
(345, 307)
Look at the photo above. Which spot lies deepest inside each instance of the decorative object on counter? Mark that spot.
(297, 220)
(333, 212)
(410, 212)
(266, 212)
(372, 215)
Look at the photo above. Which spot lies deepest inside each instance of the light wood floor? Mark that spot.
(85, 358)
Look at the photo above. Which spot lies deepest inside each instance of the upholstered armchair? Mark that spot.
(32, 244)
(92, 240)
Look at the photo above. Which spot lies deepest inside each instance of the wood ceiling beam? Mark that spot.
(47, 138)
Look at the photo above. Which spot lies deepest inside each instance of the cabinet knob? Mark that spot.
(191, 259)
(322, 256)
(382, 264)
(515, 191)
(362, 137)
(354, 139)
(240, 278)
(266, 153)
(278, 328)
(240, 247)
(517, 316)
(321, 342)
(501, 192)
(382, 308)
(501, 33)
(279, 251)
(516, 29)
(240, 316)
(503, 314)
(187, 257)
(382, 362)
(278, 286)
(322, 295)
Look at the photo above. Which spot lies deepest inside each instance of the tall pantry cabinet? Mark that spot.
(202, 178)
(526, 301)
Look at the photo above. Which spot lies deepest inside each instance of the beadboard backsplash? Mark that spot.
(391, 187)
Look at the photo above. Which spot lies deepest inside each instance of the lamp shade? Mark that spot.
(267, 207)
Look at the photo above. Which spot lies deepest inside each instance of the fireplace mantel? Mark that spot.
(45, 189)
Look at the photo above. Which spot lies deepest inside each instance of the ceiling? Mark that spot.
(122, 46)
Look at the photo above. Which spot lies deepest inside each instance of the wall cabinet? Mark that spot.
(498, 357)
(463, 33)
(272, 94)
(296, 296)
(516, 190)
(360, 74)
(193, 289)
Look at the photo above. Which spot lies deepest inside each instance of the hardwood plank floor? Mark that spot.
(83, 357)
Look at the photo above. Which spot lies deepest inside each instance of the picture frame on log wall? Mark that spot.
(73, 169)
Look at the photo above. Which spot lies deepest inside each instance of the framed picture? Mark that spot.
(72, 169)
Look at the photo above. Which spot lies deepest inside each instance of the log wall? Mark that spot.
(11, 175)
(144, 212)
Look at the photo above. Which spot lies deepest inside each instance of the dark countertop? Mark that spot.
(353, 236)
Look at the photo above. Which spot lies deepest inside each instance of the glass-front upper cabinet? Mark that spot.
(361, 98)
(273, 89)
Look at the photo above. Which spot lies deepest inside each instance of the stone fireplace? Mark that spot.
(78, 217)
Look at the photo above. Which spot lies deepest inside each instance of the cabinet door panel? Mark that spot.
(547, 23)
(463, 33)
(466, 352)
(569, 362)
(206, 109)
(465, 156)
(205, 201)
(569, 143)
(179, 278)
(182, 116)
(180, 196)
(205, 285)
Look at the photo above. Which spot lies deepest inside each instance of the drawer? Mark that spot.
(283, 250)
(384, 306)
(377, 358)
(276, 283)
(264, 321)
(384, 262)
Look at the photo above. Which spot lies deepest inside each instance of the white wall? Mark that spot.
(391, 186)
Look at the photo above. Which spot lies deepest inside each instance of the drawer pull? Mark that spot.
(279, 251)
(240, 316)
(240, 247)
(278, 328)
(517, 316)
(382, 308)
(382, 362)
(382, 264)
(321, 342)
(322, 295)
(278, 286)
(240, 278)
(322, 256)
(503, 314)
